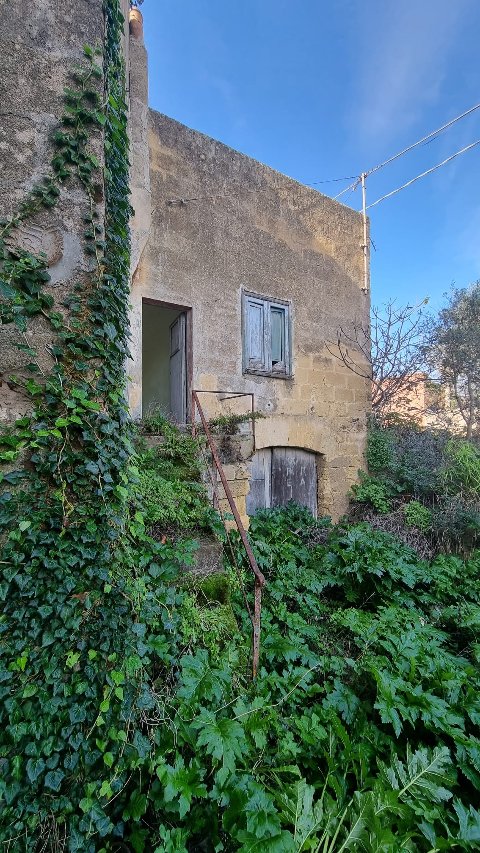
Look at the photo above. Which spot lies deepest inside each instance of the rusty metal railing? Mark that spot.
(259, 578)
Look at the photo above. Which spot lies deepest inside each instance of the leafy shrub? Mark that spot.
(420, 458)
(373, 492)
(228, 424)
(441, 473)
(169, 479)
(175, 452)
(155, 423)
(364, 668)
(395, 524)
(211, 626)
(462, 471)
(456, 523)
(381, 454)
(417, 515)
(173, 503)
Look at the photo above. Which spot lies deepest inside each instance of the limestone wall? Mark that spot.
(259, 230)
(40, 44)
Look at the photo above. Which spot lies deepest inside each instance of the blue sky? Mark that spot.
(320, 89)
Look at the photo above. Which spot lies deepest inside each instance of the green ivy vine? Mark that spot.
(75, 579)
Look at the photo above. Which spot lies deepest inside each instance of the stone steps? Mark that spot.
(208, 558)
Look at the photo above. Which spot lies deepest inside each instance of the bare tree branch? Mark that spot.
(389, 353)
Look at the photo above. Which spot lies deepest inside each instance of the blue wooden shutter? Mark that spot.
(277, 338)
(254, 332)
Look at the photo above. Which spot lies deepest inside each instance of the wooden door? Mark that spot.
(294, 477)
(178, 370)
(259, 496)
(283, 474)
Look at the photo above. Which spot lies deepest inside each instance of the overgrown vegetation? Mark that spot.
(128, 717)
(228, 424)
(362, 729)
(77, 575)
(172, 494)
(432, 477)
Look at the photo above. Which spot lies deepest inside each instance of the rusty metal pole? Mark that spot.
(194, 432)
(257, 613)
(259, 578)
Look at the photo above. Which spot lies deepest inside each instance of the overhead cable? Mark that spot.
(428, 172)
(421, 141)
(181, 201)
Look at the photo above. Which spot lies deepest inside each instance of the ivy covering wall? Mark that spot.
(71, 653)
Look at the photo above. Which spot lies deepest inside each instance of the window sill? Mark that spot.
(270, 374)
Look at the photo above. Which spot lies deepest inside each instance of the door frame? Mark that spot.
(188, 311)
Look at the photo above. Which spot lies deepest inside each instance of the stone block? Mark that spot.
(230, 471)
(239, 488)
(329, 377)
(344, 395)
(242, 472)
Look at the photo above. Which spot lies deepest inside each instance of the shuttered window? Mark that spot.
(266, 336)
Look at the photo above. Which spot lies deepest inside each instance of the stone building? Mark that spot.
(241, 278)
(427, 403)
(240, 275)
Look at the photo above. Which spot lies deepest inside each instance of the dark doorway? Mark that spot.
(164, 361)
(280, 475)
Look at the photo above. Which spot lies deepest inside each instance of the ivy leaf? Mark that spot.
(53, 780)
(6, 291)
(35, 767)
(137, 806)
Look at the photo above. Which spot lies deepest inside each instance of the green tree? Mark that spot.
(454, 351)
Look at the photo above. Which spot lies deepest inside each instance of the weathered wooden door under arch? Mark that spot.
(280, 475)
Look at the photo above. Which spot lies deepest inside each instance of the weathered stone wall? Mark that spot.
(243, 225)
(237, 475)
(40, 43)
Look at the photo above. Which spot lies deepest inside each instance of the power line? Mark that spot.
(182, 201)
(331, 181)
(423, 174)
(422, 141)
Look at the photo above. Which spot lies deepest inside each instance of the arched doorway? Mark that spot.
(283, 474)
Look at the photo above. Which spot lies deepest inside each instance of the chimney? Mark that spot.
(135, 22)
